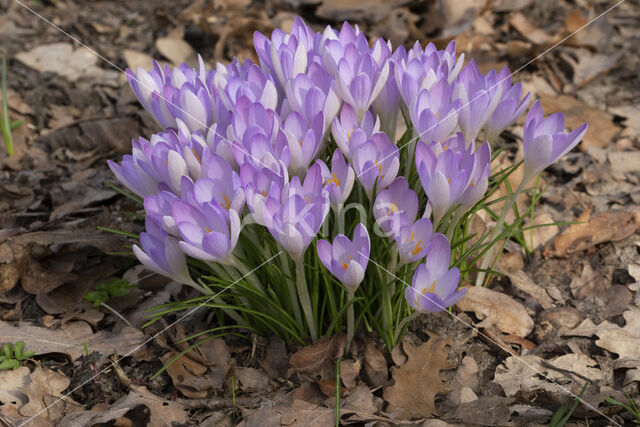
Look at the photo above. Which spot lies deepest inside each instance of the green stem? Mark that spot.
(350, 319)
(291, 287)
(402, 324)
(5, 122)
(499, 227)
(305, 299)
(248, 275)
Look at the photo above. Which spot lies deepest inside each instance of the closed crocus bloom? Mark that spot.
(434, 285)
(414, 240)
(347, 260)
(510, 107)
(243, 79)
(479, 96)
(208, 231)
(349, 132)
(304, 141)
(480, 165)
(220, 184)
(376, 160)
(259, 184)
(433, 114)
(161, 253)
(158, 208)
(338, 182)
(443, 178)
(295, 222)
(545, 140)
(395, 207)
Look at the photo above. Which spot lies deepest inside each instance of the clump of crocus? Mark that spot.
(238, 183)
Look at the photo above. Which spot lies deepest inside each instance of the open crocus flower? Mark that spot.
(413, 240)
(349, 132)
(395, 207)
(434, 285)
(160, 253)
(545, 140)
(376, 160)
(209, 232)
(345, 259)
(338, 181)
(220, 184)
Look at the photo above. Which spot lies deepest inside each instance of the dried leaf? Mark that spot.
(417, 382)
(497, 309)
(528, 30)
(489, 410)
(314, 359)
(587, 66)
(523, 282)
(376, 372)
(135, 60)
(590, 283)
(69, 339)
(176, 50)
(251, 379)
(609, 226)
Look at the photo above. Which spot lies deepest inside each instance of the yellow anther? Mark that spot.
(345, 266)
(349, 135)
(207, 230)
(433, 286)
(307, 197)
(416, 250)
(334, 179)
(413, 234)
(193, 150)
(264, 193)
(227, 203)
(300, 142)
(449, 180)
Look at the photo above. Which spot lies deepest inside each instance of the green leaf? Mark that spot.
(9, 364)
(96, 297)
(18, 349)
(8, 351)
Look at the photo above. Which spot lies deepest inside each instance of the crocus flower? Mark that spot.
(376, 160)
(259, 184)
(304, 141)
(347, 260)
(479, 96)
(160, 253)
(338, 181)
(209, 232)
(395, 207)
(545, 140)
(219, 183)
(434, 285)
(480, 164)
(433, 114)
(349, 132)
(296, 219)
(510, 107)
(158, 208)
(444, 178)
(414, 240)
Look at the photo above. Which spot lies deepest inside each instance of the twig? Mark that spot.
(117, 314)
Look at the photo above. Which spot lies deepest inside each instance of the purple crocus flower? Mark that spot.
(345, 259)
(311, 94)
(414, 240)
(296, 221)
(246, 79)
(480, 164)
(444, 178)
(259, 184)
(158, 207)
(161, 253)
(434, 285)
(359, 76)
(433, 114)
(338, 181)
(349, 132)
(219, 184)
(510, 107)
(304, 141)
(479, 96)
(209, 232)
(376, 160)
(545, 140)
(395, 207)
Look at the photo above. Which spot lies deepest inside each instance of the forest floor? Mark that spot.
(565, 315)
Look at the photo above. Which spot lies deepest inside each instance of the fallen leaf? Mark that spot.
(497, 309)
(540, 235)
(590, 283)
(354, 10)
(349, 372)
(594, 34)
(67, 61)
(315, 359)
(631, 114)
(458, 15)
(562, 317)
(520, 280)
(488, 410)
(602, 128)
(360, 406)
(251, 379)
(157, 412)
(624, 341)
(275, 361)
(608, 226)
(69, 339)
(528, 30)
(528, 373)
(376, 372)
(177, 51)
(190, 377)
(417, 382)
(624, 161)
(587, 66)
(135, 60)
